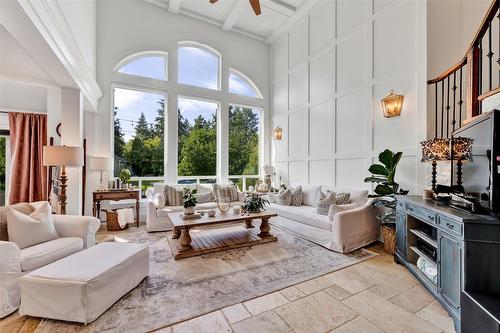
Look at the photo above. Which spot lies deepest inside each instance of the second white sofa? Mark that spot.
(343, 232)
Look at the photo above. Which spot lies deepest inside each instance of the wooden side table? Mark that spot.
(115, 195)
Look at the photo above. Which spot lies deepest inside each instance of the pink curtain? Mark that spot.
(28, 178)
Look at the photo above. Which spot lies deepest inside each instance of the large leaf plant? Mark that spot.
(383, 174)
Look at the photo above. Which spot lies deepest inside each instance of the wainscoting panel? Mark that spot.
(341, 63)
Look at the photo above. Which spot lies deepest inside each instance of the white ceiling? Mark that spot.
(237, 15)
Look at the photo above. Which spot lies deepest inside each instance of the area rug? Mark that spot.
(179, 290)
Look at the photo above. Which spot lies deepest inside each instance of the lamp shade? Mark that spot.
(435, 150)
(268, 169)
(99, 163)
(278, 133)
(62, 156)
(461, 149)
(392, 105)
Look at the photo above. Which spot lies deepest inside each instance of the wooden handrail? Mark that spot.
(490, 14)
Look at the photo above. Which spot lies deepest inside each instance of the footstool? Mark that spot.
(82, 286)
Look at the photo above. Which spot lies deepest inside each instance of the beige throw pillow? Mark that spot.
(324, 204)
(29, 230)
(283, 197)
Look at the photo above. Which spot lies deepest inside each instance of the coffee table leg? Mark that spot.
(265, 227)
(249, 224)
(185, 241)
(176, 234)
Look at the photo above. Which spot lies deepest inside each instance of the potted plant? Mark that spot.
(254, 204)
(124, 177)
(189, 201)
(383, 175)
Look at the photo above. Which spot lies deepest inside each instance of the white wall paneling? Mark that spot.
(335, 87)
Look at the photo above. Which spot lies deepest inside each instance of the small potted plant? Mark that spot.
(124, 177)
(254, 204)
(189, 200)
(383, 175)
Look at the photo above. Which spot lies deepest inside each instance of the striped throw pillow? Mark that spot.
(229, 191)
(173, 196)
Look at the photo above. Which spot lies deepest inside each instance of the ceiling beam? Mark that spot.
(174, 6)
(234, 15)
(301, 12)
(279, 7)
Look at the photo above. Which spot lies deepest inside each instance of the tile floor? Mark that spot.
(374, 296)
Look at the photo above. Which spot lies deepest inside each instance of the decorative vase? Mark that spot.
(389, 235)
(189, 210)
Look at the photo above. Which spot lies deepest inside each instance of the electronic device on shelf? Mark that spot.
(427, 249)
(482, 175)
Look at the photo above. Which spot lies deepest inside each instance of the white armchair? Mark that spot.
(76, 233)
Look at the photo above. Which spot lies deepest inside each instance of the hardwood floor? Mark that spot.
(374, 296)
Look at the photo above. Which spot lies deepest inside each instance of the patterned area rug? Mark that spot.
(183, 289)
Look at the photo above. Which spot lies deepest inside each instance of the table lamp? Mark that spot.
(100, 164)
(461, 151)
(435, 150)
(62, 156)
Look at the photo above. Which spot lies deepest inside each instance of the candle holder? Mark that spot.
(224, 204)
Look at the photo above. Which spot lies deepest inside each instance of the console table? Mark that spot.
(447, 237)
(115, 195)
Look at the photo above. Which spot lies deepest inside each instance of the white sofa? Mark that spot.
(76, 233)
(343, 232)
(157, 217)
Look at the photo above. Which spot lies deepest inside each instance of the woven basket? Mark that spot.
(389, 235)
(112, 221)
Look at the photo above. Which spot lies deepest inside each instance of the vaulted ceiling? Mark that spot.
(237, 15)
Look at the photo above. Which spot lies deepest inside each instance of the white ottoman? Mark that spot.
(84, 285)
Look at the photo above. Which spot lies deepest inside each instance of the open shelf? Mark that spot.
(422, 235)
(422, 254)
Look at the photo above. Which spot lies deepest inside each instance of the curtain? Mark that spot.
(28, 177)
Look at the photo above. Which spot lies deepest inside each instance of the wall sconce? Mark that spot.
(278, 133)
(392, 105)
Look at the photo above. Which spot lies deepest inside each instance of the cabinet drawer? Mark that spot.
(421, 213)
(450, 225)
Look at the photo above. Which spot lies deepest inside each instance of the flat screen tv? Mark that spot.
(481, 177)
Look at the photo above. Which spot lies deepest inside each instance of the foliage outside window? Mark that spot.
(139, 132)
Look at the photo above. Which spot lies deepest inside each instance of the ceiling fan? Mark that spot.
(254, 3)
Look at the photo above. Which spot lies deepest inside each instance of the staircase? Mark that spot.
(472, 86)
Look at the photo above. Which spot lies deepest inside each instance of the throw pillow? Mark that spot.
(228, 190)
(342, 198)
(159, 200)
(204, 197)
(334, 209)
(296, 196)
(324, 205)
(284, 197)
(29, 230)
(311, 195)
(173, 196)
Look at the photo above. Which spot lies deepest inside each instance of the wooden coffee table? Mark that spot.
(209, 239)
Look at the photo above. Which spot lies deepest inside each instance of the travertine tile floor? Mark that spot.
(374, 296)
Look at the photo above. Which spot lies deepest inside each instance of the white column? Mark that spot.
(72, 135)
(223, 143)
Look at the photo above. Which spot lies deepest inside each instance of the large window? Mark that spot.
(139, 132)
(197, 137)
(150, 65)
(198, 66)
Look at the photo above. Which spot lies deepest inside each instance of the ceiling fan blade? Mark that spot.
(212, 1)
(256, 6)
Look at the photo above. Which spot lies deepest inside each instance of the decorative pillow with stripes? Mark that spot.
(173, 196)
(296, 196)
(230, 191)
(342, 198)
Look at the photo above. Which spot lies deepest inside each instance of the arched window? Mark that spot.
(240, 84)
(152, 65)
(198, 65)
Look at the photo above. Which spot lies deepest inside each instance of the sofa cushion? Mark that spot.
(310, 195)
(342, 198)
(334, 209)
(173, 196)
(283, 197)
(324, 204)
(226, 190)
(163, 212)
(44, 253)
(28, 230)
(303, 214)
(296, 196)
(357, 195)
(22, 207)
